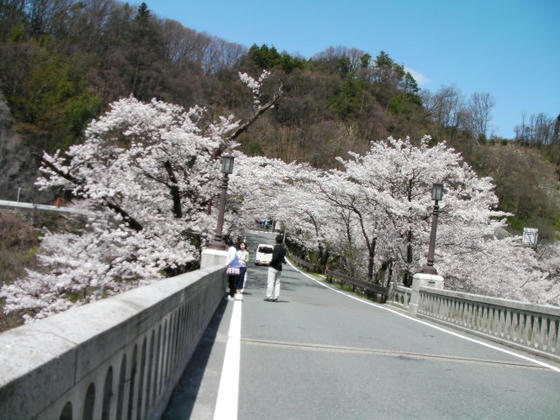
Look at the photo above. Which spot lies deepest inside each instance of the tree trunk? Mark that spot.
(390, 274)
(323, 258)
(174, 190)
(371, 252)
(407, 279)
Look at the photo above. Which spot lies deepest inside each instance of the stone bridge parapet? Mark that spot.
(116, 358)
(526, 326)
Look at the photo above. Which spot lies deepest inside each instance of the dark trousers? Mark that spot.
(241, 278)
(232, 281)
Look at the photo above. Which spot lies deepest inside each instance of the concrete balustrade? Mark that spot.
(399, 296)
(533, 328)
(117, 358)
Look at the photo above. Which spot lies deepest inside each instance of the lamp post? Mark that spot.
(437, 194)
(227, 169)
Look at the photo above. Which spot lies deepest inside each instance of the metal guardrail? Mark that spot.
(302, 263)
(367, 287)
(18, 204)
(332, 276)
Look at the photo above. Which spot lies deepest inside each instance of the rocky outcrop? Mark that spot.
(18, 167)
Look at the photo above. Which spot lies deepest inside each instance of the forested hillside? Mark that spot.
(63, 61)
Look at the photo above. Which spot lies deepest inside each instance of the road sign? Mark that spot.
(530, 236)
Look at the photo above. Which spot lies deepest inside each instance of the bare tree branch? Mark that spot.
(243, 127)
(130, 221)
(58, 171)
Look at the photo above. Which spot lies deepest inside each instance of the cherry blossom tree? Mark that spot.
(308, 219)
(383, 198)
(153, 169)
(258, 187)
(388, 193)
(499, 267)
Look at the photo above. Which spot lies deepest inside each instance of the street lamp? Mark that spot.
(227, 169)
(437, 194)
(227, 165)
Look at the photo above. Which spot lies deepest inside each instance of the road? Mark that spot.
(319, 354)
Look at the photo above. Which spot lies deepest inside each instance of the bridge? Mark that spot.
(176, 349)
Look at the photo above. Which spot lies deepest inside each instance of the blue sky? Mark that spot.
(510, 49)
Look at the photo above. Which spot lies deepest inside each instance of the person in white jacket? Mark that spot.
(232, 268)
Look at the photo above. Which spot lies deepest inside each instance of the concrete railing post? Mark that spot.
(422, 280)
(211, 257)
(391, 292)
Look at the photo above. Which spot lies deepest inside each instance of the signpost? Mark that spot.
(530, 237)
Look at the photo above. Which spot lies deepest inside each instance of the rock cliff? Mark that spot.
(18, 167)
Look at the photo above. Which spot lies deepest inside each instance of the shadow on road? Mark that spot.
(185, 393)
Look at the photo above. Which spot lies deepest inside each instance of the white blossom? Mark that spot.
(154, 172)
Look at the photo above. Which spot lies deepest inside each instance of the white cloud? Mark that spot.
(419, 77)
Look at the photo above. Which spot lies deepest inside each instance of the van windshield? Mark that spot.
(265, 250)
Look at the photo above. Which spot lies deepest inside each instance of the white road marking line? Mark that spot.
(228, 391)
(511, 353)
(384, 352)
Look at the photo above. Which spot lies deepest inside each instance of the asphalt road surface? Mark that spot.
(319, 354)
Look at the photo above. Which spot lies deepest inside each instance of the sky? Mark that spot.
(508, 48)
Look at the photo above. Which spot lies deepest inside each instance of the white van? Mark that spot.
(264, 254)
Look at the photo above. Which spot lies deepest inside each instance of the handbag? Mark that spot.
(233, 271)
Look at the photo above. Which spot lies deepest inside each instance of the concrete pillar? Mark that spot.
(422, 280)
(211, 257)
